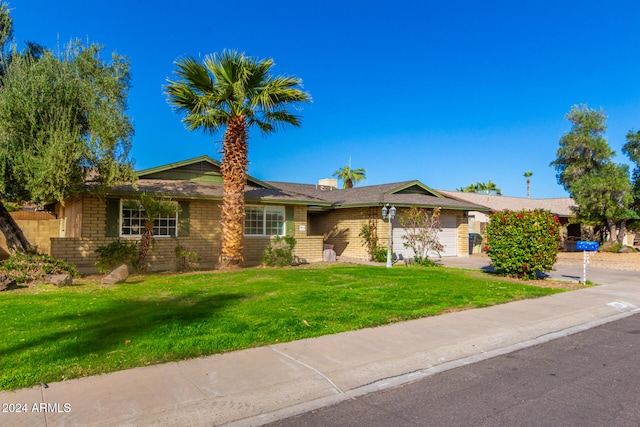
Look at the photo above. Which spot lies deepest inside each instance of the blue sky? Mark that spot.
(445, 92)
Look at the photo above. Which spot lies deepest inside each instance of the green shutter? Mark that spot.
(290, 225)
(183, 219)
(113, 218)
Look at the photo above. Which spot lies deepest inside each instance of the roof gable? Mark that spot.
(414, 187)
(198, 169)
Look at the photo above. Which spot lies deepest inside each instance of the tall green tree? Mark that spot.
(62, 121)
(6, 30)
(632, 150)
(350, 177)
(233, 92)
(584, 166)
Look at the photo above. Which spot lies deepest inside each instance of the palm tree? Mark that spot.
(349, 176)
(471, 188)
(153, 207)
(528, 175)
(233, 92)
(489, 188)
(482, 188)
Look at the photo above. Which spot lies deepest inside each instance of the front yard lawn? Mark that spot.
(51, 334)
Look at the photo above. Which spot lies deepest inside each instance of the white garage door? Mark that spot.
(448, 237)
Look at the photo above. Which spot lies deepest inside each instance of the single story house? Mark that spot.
(315, 214)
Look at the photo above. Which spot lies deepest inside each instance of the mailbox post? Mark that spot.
(588, 249)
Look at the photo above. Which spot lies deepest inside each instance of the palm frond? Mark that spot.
(231, 84)
(190, 71)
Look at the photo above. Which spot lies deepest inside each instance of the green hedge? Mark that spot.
(520, 244)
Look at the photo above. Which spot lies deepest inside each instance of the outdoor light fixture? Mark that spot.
(389, 213)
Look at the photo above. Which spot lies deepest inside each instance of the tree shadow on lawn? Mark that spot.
(105, 330)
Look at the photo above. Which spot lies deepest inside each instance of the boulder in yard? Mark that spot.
(7, 283)
(119, 275)
(329, 255)
(59, 279)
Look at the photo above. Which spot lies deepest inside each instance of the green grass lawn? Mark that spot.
(50, 334)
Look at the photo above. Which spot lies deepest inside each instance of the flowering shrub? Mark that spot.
(421, 233)
(523, 243)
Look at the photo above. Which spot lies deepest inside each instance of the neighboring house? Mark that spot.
(314, 214)
(562, 207)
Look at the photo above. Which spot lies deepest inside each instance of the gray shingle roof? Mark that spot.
(308, 194)
(213, 190)
(375, 195)
(557, 206)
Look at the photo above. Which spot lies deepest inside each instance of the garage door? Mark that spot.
(448, 237)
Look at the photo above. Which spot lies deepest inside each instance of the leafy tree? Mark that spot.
(349, 176)
(6, 30)
(482, 187)
(62, 120)
(421, 232)
(528, 175)
(601, 188)
(234, 92)
(153, 207)
(520, 244)
(632, 150)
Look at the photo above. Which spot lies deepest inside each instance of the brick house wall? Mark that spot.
(307, 247)
(343, 227)
(347, 223)
(86, 231)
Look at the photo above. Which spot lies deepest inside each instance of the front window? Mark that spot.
(133, 220)
(264, 221)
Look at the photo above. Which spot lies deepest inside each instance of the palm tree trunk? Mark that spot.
(12, 232)
(234, 175)
(145, 246)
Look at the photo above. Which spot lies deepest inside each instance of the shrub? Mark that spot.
(425, 262)
(371, 242)
(186, 260)
(279, 253)
(116, 253)
(28, 267)
(421, 232)
(613, 247)
(520, 244)
(380, 255)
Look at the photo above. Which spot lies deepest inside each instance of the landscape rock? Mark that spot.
(329, 255)
(59, 279)
(119, 275)
(7, 283)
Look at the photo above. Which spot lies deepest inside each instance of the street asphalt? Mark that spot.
(257, 386)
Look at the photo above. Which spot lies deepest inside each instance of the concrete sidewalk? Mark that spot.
(257, 386)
